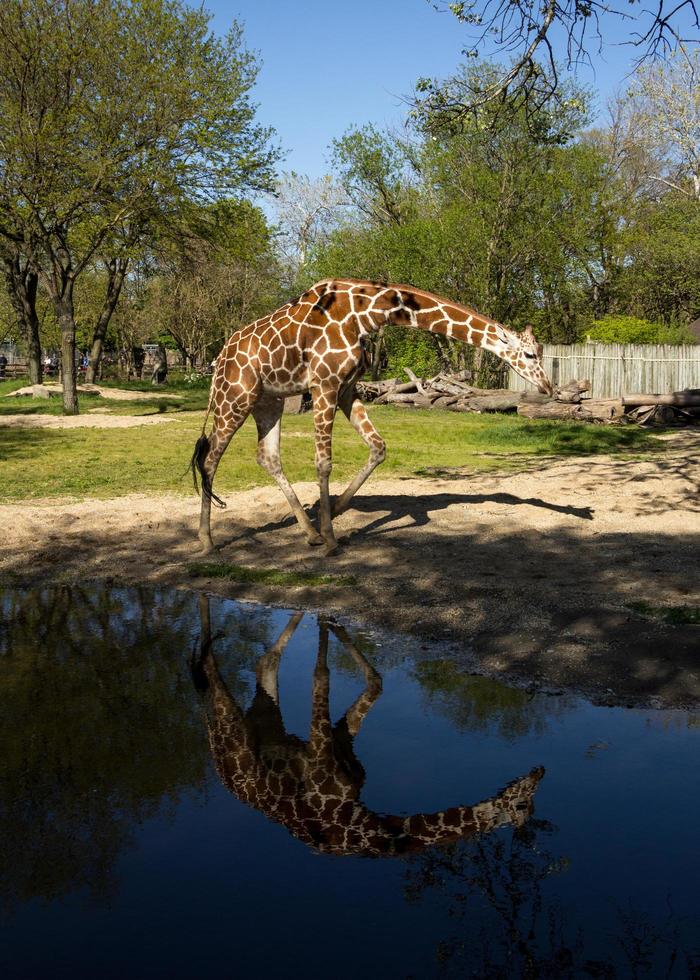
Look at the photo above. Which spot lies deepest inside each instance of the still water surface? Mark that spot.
(201, 787)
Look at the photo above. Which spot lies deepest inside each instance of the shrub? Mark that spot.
(614, 329)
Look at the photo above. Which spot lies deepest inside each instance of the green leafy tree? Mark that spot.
(218, 274)
(112, 114)
(621, 329)
(489, 214)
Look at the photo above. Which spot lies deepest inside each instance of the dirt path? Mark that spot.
(52, 389)
(530, 574)
(93, 420)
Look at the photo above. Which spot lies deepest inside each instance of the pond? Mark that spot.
(194, 786)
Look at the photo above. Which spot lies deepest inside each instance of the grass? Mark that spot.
(674, 615)
(39, 463)
(178, 397)
(241, 573)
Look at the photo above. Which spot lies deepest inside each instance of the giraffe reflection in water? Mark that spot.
(312, 788)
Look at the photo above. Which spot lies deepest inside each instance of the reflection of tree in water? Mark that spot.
(475, 703)
(99, 729)
(505, 924)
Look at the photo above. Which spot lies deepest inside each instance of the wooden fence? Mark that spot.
(617, 369)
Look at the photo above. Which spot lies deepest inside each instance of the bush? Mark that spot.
(409, 349)
(613, 329)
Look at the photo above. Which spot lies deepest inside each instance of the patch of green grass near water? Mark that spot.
(261, 576)
(674, 615)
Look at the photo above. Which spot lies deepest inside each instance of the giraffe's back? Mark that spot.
(302, 344)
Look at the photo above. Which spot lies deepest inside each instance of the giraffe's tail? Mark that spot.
(201, 451)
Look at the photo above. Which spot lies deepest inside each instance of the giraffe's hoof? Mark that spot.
(332, 548)
(206, 547)
(315, 540)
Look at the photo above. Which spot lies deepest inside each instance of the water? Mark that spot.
(449, 826)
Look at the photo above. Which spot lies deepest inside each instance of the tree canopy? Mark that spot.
(113, 114)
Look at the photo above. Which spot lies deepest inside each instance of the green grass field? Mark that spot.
(37, 463)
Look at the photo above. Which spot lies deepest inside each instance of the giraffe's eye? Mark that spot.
(529, 354)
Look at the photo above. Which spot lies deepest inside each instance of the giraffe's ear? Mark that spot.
(528, 336)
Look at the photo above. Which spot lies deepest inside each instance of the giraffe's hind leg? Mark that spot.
(268, 418)
(225, 427)
(360, 421)
(357, 712)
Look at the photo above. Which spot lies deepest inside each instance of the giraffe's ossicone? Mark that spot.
(317, 344)
(313, 787)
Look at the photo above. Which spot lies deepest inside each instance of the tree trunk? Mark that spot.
(116, 271)
(22, 287)
(36, 368)
(376, 359)
(66, 320)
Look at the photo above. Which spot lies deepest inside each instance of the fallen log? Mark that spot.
(593, 410)
(535, 397)
(572, 391)
(408, 387)
(551, 410)
(679, 399)
(444, 401)
(406, 398)
(461, 405)
(606, 409)
(498, 402)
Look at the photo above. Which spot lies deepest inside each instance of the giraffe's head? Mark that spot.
(524, 355)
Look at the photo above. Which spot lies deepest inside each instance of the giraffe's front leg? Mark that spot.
(321, 731)
(267, 668)
(357, 711)
(325, 399)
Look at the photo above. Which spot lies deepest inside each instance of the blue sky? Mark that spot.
(329, 65)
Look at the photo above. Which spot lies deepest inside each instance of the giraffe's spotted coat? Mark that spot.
(316, 344)
(313, 787)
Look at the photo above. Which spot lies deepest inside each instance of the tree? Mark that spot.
(537, 35)
(115, 112)
(307, 210)
(372, 167)
(22, 281)
(116, 268)
(212, 278)
(503, 217)
(667, 97)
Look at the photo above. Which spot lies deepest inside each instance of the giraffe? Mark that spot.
(313, 787)
(317, 343)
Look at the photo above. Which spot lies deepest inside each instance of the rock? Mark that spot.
(37, 391)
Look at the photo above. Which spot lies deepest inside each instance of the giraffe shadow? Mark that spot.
(313, 786)
(419, 508)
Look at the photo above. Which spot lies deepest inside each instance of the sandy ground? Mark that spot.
(525, 575)
(93, 420)
(115, 394)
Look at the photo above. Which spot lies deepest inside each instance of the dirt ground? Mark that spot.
(527, 575)
(93, 420)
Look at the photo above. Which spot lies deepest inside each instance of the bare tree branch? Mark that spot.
(526, 31)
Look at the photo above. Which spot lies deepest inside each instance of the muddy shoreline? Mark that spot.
(558, 577)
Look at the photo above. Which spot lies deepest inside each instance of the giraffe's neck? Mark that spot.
(378, 305)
